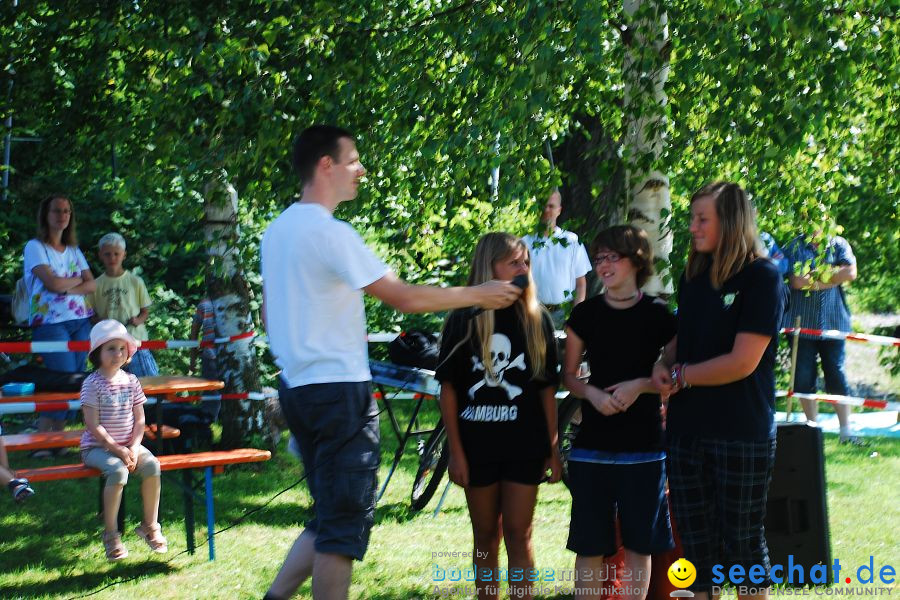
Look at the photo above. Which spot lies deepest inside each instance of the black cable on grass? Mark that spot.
(154, 564)
(236, 522)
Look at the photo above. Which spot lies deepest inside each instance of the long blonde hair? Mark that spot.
(738, 240)
(493, 247)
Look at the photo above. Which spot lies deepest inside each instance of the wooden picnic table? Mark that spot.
(47, 440)
(208, 462)
(168, 386)
(165, 388)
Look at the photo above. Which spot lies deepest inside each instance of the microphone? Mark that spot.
(520, 281)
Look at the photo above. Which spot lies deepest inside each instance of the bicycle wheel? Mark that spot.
(568, 422)
(433, 461)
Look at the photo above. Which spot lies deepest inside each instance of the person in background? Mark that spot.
(559, 263)
(820, 303)
(720, 373)
(122, 295)
(58, 278)
(18, 486)
(775, 252)
(203, 325)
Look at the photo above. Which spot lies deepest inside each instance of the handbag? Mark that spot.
(414, 349)
(21, 303)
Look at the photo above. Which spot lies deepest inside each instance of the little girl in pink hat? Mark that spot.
(113, 405)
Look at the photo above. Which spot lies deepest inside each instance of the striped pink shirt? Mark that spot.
(116, 399)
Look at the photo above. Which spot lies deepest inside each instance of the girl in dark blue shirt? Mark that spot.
(720, 370)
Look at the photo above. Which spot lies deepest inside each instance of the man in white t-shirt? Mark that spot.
(559, 263)
(315, 269)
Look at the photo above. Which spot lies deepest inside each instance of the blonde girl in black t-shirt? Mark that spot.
(498, 382)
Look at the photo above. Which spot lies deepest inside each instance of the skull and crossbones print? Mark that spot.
(501, 361)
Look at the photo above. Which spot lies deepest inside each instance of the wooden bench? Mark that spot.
(210, 462)
(47, 440)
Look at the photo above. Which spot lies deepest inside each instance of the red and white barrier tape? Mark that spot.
(14, 408)
(381, 337)
(32, 407)
(84, 345)
(834, 334)
(848, 400)
(377, 337)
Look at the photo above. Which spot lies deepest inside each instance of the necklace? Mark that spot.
(631, 297)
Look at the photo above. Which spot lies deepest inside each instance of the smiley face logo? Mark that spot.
(682, 573)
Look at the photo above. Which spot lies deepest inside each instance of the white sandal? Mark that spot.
(152, 534)
(112, 543)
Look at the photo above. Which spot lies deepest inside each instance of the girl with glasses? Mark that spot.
(58, 278)
(617, 462)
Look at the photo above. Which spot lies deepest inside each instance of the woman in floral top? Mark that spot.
(58, 277)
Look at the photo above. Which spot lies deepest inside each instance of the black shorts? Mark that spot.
(635, 492)
(526, 472)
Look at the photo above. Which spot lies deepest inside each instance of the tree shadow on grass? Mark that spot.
(73, 584)
(295, 515)
(397, 512)
(273, 515)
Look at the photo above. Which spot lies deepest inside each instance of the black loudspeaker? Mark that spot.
(797, 513)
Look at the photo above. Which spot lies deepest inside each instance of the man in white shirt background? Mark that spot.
(559, 263)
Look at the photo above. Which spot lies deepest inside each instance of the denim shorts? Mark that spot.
(636, 492)
(209, 370)
(336, 428)
(719, 490)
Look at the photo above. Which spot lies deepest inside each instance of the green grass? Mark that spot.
(50, 547)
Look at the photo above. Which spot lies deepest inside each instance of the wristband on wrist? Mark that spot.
(678, 376)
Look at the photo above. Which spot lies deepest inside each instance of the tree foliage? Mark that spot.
(138, 104)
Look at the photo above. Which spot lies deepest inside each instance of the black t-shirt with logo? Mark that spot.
(622, 344)
(500, 418)
(752, 301)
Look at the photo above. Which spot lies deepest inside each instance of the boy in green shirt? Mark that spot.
(122, 295)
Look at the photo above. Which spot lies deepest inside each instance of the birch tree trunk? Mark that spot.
(648, 203)
(243, 421)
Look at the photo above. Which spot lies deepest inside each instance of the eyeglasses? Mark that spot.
(601, 258)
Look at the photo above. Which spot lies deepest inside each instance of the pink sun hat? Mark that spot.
(110, 329)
